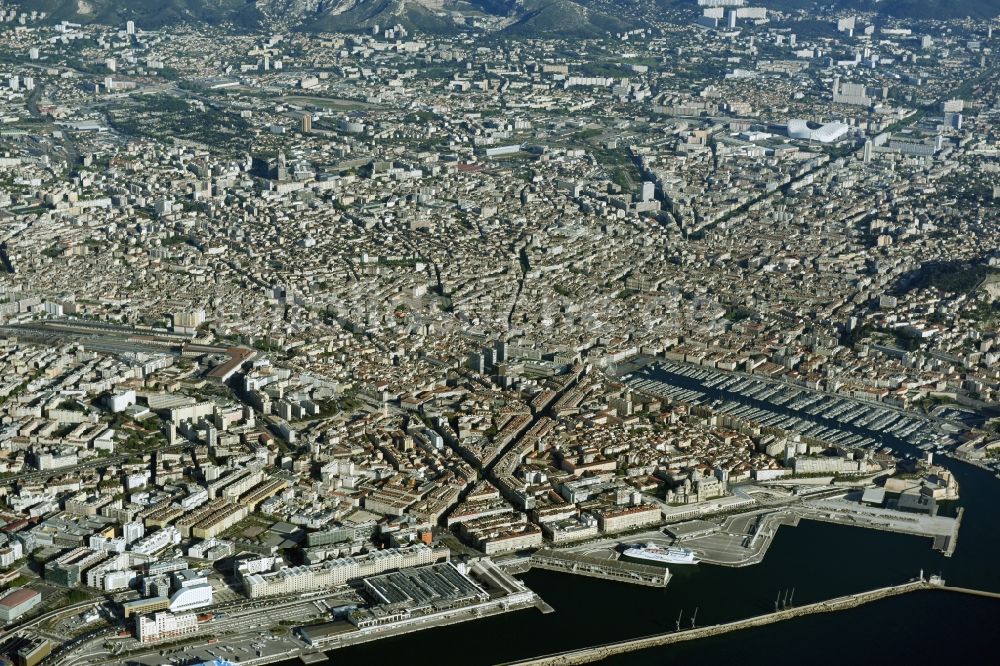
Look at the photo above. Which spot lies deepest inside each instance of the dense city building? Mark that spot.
(324, 323)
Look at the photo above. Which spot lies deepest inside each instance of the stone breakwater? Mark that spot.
(596, 653)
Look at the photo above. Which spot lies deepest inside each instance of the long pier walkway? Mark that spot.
(967, 590)
(591, 654)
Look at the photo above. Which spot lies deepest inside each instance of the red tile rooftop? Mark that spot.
(237, 357)
(18, 597)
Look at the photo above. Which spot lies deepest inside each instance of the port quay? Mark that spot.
(617, 570)
(599, 652)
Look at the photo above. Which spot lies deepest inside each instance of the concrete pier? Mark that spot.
(975, 593)
(543, 607)
(591, 654)
(617, 570)
(943, 530)
(952, 539)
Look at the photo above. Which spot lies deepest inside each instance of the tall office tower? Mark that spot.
(282, 172)
(648, 191)
(130, 28)
(477, 363)
(307, 123)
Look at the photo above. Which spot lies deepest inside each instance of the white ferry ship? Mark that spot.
(668, 555)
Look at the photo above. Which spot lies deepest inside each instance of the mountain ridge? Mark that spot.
(525, 18)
